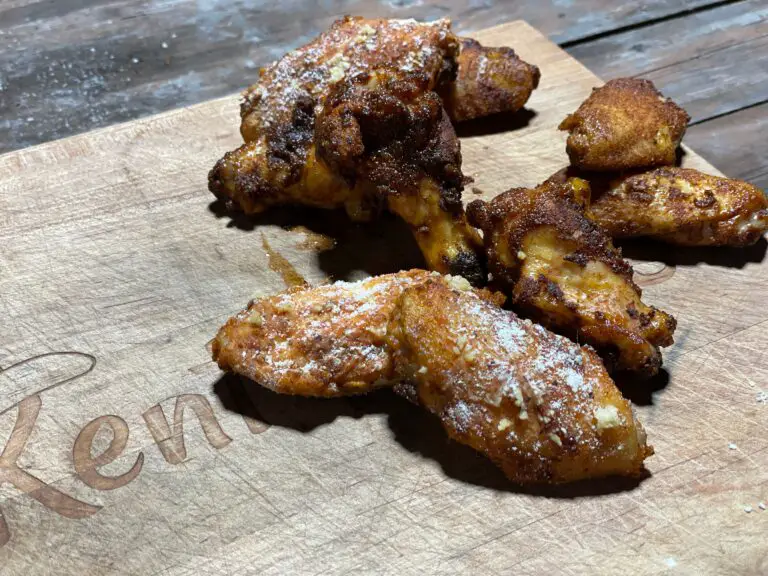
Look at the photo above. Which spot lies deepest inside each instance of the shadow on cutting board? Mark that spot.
(648, 249)
(413, 428)
(640, 392)
(503, 122)
(381, 246)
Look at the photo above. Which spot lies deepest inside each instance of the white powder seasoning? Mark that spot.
(349, 49)
(532, 379)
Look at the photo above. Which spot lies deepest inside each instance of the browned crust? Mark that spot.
(326, 341)
(623, 125)
(391, 135)
(316, 341)
(602, 307)
(279, 112)
(683, 206)
(675, 205)
(353, 120)
(489, 81)
(520, 210)
(352, 45)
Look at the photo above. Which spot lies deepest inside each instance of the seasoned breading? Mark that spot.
(682, 206)
(279, 163)
(541, 407)
(489, 81)
(353, 119)
(623, 125)
(325, 341)
(562, 270)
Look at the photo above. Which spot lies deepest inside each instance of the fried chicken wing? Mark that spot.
(541, 407)
(682, 206)
(624, 124)
(488, 81)
(561, 269)
(353, 119)
(325, 341)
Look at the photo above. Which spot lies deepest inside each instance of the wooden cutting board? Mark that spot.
(127, 452)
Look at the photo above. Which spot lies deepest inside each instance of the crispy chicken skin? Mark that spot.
(488, 81)
(681, 206)
(353, 119)
(327, 341)
(562, 270)
(623, 125)
(541, 407)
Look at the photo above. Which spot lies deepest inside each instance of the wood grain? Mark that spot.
(738, 141)
(114, 258)
(712, 63)
(73, 65)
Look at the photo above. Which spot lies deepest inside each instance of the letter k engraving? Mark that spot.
(10, 473)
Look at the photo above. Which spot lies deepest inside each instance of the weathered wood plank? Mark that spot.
(711, 62)
(73, 65)
(738, 142)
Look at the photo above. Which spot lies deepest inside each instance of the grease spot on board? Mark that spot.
(314, 241)
(277, 263)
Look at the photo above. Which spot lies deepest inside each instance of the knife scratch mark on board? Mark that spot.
(89, 357)
(650, 273)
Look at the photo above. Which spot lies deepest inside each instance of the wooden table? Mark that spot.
(68, 67)
(124, 449)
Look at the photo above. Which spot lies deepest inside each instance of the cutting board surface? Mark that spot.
(125, 450)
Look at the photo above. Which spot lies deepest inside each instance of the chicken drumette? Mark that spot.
(354, 120)
(541, 407)
(562, 269)
(488, 81)
(682, 206)
(623, 125)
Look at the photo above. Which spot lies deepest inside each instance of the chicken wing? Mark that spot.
(325, 341)
(541, 407)
(489, 81)
(562, 269)
(681, 206)
(623, 125)
(353, 120)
